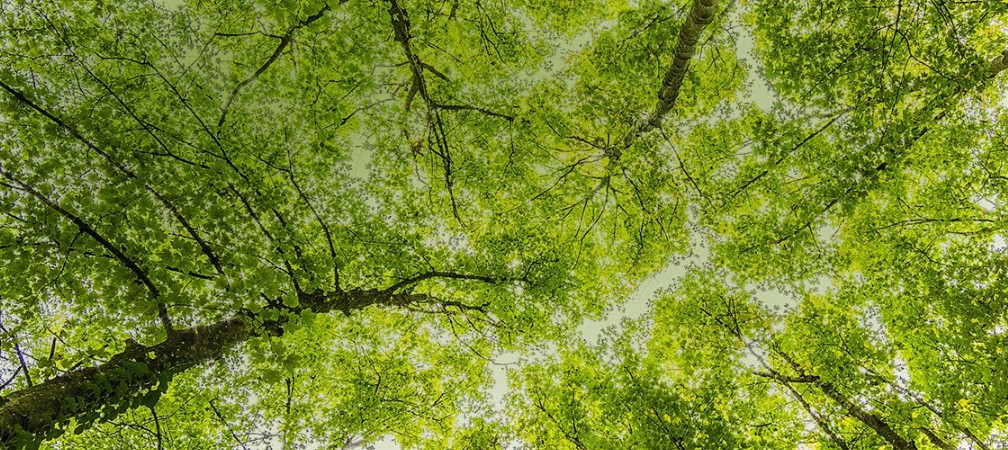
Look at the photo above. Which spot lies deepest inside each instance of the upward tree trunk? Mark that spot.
(701, 14)
(35, 413)
(139, 374)
(871, 420)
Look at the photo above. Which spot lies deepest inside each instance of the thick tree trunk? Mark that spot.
(33, 414)
(139, 374)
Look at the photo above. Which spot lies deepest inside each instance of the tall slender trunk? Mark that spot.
(701, 14)
(870, 419)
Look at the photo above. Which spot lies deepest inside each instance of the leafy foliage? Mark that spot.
(320, 223)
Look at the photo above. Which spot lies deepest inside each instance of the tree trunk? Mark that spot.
(701, 14)
(869, 419)
(138, 375)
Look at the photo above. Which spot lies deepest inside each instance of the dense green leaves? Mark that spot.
(325, 223)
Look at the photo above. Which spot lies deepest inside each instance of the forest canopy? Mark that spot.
(490, 224)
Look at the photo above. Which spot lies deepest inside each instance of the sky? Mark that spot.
(638, 305)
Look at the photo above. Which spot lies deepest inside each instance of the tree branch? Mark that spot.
(23, 365)
(105, 243)
(448, 107)
(437, 274)
(285, 40)
(226, 424)
(20, 96)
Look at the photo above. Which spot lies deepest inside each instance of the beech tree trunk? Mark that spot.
(138, 375)
(701, 14)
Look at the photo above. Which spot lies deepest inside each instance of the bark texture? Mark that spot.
(139, 374)
(701, 14)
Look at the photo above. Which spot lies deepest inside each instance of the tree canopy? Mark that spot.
(331, 223)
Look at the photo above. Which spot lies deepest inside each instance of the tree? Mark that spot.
(316, 222)
(615, 395)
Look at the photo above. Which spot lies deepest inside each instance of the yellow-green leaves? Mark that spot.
(318, 223)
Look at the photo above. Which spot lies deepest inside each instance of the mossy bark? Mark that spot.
(138, 374)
